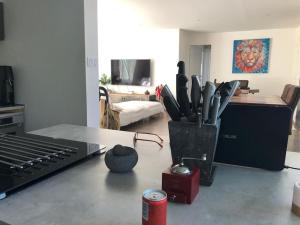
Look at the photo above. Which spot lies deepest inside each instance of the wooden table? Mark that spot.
(258, 100)
(122, 97)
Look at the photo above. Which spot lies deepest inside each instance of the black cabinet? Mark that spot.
(254, 135)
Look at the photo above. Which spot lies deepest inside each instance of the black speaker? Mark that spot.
(1, 22)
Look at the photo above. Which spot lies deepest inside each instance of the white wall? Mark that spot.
(119, 41)
(91, 53)
(282, 57)
(297, 54)
(195, 59)
(185, 48)
(45, 45)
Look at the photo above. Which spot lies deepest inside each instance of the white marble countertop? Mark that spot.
(88, 194)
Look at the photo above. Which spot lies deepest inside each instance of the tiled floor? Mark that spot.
(294, 141)
(159, 125)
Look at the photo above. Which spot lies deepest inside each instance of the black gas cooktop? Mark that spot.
(27, 158)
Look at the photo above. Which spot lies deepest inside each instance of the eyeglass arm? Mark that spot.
(161, 140)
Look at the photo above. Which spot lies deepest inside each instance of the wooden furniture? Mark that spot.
(254, 132)
(239, 196)
(245, 91)
(257, 100)
(122, 97)
(114, 116)
(253, 91)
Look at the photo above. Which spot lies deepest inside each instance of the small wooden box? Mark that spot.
(181, 188)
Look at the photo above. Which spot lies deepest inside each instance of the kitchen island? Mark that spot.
(88, 194)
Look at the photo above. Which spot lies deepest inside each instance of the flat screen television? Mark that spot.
(130, 72)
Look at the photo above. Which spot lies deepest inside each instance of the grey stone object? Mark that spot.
(121, 159)
(189, 140)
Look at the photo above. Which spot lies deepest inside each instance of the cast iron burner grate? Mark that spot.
(24, 159)
(21, 152)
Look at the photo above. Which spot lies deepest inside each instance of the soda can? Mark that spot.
(154, 207)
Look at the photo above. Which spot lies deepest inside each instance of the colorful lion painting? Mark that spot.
(251, 56)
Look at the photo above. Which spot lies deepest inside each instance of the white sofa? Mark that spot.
(133, 111)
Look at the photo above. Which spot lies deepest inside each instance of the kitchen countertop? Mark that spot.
(88, 194)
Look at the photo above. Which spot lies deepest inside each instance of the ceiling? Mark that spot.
(205, 15)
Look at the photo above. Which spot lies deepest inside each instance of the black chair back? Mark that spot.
(103, 93)
(291, 95)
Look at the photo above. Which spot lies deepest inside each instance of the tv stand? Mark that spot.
(123, 97)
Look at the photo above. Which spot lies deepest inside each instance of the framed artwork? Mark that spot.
(251, 56)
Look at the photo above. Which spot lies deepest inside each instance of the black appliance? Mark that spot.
(1, 22)
(254, 135)
(27, 158)
(7, 97)
(131, 72)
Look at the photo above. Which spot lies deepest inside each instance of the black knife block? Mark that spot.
(191, 140)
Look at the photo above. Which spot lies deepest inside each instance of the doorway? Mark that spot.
(199, 63)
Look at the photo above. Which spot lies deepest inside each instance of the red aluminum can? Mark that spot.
(154, 207)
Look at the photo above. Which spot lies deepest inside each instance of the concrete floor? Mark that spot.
(159, 125)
